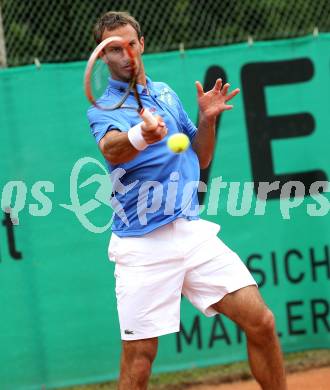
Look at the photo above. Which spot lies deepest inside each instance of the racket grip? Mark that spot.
(148, 118)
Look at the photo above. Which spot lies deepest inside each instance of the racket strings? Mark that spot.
(99, 78)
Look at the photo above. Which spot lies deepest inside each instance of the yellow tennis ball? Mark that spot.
(178, 143)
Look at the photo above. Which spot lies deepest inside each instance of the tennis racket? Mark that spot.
(97, 75)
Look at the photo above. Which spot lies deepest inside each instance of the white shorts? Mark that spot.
(152, 271)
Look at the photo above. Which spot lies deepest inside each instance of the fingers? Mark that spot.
(154, 134)
(225, 89)
(232, 94)
(151, 124)
(218, 85)
(161, 129)
(160, 120)
(150, 121)
(200, 90)
(162, 132)
(217, 88)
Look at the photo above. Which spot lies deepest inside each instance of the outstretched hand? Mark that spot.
(214, 102)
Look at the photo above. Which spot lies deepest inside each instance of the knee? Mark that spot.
(141, 369)
(137, 359)
(267, 323)
(263, 325)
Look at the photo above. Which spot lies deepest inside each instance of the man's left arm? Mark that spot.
(211, 104)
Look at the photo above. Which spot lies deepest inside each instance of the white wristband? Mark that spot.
(136, 138)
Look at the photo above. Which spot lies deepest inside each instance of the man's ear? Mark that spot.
(103, 56)
(142, 44)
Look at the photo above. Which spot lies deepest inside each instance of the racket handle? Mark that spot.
(148, 118)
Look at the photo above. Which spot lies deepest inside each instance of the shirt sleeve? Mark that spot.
(188, 126)
(101, 122)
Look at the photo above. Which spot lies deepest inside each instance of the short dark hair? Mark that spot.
(112, 20)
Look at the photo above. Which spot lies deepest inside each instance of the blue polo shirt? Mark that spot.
(157, 186)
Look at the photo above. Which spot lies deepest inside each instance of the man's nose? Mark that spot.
(125, 55)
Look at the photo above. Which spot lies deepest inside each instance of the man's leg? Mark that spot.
(136, 361)
(248, 310)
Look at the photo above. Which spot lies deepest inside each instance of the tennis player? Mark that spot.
(160, 246)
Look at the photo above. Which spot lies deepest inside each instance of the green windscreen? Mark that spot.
(59, 321)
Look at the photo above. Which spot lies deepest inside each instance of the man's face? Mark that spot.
(118, 60)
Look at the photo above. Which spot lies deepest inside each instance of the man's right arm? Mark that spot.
(117, 148)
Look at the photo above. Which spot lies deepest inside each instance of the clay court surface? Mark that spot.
(315, 379)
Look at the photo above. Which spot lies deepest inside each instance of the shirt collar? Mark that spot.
(122, 85)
